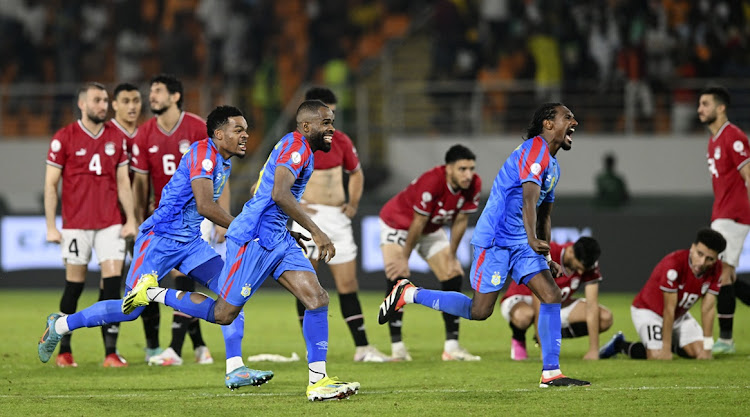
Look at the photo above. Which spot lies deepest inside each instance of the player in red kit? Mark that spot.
(579, 262)
(158, 148)
(325, 202)
(660, 310)
(89, 157)
(414, 219)
(728, 156)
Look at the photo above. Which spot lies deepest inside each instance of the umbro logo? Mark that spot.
(322, 345)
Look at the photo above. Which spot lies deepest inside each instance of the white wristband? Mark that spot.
(708, 343)
(548, 257)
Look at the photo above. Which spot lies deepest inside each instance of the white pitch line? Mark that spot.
(373, 392)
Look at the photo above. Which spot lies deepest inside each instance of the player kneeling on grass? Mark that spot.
(579, 262)
(660, 311)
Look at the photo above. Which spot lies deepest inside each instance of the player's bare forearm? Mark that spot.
(592, 315)
(418, 222)
(544, 221)
(670, 303)
(708, 313)
(52, 177)
(356, 187)
(125, 194)
(457, 231)
(530, 197)
(140, 196)
(203, 190)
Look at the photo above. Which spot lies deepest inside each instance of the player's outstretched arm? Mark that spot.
(203, 190)
(52, 177)
(283, 179)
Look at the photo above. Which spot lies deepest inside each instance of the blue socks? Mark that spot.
(204, 310)
(315, 331)
(450, 302)
(101, 313)
(233, 335)
(550, 335)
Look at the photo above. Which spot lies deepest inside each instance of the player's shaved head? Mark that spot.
(309, 110)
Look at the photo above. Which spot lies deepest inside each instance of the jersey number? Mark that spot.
(73, 247)
(396, 237)
(654, 332)
(169, 165)
(688, 300)
(95, 164)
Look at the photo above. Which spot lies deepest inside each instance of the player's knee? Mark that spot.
(317, 300)
(347, 285)
(481, 312)
(225, 317)
(605, 319)
(551, 296)
(522, 317)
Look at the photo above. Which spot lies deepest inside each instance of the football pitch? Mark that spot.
(426, 386)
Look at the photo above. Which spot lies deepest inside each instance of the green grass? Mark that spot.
(427, 386)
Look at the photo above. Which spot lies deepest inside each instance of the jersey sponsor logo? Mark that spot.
(296, 158)
(153, 149)
(55, 145)
(536, 168)
(496, 278)
(81, 152)
(246, 290)
(184, 146)
(207, 165)
(136, 150)
(739, 147)
(672, 275)
(109, 148)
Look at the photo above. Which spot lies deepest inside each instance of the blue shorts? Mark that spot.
(160, 255)
(492, 265)
(248, 265)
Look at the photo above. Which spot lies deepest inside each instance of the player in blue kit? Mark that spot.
(171, 238)
(511, 239)
(259, 245)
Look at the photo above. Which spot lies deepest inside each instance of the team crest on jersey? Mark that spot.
(207, 165)
(739, 147)
(296, 158)
(184, 146)
(704, 288)
(496, 278)
(717, 153)
(55, 145)
(246, 290)
(109, 148)
(574, 283)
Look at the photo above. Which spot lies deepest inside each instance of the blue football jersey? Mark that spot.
(501, 222)
(177, 215)
(261, 217)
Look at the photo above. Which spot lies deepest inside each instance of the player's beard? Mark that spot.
(158, 111)
(709, 119)
(317, 141)
(96, 119)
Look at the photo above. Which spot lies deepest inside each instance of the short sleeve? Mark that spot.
(123, 145)
(57, 152)
(138, 158)
(201, 161)
(667, 275)
(740, 150)
(472, 204)
(716, 282)
(350, 157)
(533, 162)
(426, 192)
(294, 155)
(594, 275)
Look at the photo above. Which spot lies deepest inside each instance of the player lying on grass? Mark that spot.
(579, 262)
(171, 238)
(660, 311)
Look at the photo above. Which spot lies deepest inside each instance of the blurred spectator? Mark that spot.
(215, 15)
(611, 190)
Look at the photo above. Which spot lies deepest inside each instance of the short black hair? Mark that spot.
(124, 87)
(219, 117)
(720, 93)
(546, 111)
(587, 250)
(712, 239)
(309, 106)
(91, 85)
(458, 152)
(173, 85)
(321, 93)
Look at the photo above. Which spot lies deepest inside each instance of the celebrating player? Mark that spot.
(511, 239)
(414, 219)
(579, 316)
(157, 151)
(660, 310)
(325, 201)
(728, 156)
(259, 245)
(171, 238)
(89, 157)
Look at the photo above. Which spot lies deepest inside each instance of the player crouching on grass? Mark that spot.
(660, 311)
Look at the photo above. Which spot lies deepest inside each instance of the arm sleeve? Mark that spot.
(351, 159)
(426, 193)
(740, 150)
(201, 161)
(533, 162)
(472, 204)
(666, 271)
(57, 153)
(294, 155)
(138, 155)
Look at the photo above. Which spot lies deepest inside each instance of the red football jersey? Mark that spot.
(673, 274)
(569, 282)
(128, 137)
(157, 152)
(431, 196)
(89, 165)
(342, 153)
(728, 151)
